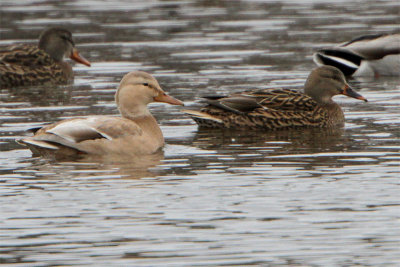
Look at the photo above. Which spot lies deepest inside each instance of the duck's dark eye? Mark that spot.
(145, 84)
(337, 77)
(68, 39)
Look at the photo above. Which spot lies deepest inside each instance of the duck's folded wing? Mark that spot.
(362, 38)
(71, 133)
(236, 104)
(25, 55)
(247, 101)
(282, 99)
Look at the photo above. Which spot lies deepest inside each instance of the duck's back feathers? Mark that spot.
(28, 65)
(366, 37)
(262, 109)
(374, 46)
(27, 55)
(283, 99)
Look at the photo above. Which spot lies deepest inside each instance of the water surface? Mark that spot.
(284, 198)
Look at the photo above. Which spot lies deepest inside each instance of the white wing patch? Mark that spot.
(38, 143)
(343, 61)
(78, 130)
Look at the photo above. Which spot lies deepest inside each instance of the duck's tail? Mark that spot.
(204, 119)
(37, 143)
(345, 60)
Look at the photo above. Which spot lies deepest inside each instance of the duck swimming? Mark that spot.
(135, 133)
(273, 109)
(29, 65)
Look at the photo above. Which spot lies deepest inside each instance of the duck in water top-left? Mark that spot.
(24, 65)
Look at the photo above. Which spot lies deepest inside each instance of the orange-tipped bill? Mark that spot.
(348, 91)
(78, 58)
(163, 97)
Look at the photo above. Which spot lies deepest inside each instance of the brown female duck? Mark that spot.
(24, 65)
(136, 133)
(280, 108)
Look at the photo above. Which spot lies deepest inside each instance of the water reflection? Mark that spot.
(41, 95)
(104, 167)
(246, 150)
(293, 140)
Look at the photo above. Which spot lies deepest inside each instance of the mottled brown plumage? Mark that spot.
(280, 108)
(25, 65)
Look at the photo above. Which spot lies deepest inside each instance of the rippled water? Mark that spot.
(287, 198)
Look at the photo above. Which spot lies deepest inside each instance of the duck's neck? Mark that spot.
(67, 71)
(335, 113)
(148, 124)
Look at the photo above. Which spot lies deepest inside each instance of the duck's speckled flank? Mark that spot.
(28, 65)
(280, 109)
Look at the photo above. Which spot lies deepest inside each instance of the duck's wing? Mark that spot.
(268, 109)
(247, 101)
(282, 99)
(363, 38)
(72, 133)
(24, 55)
(220, 107)
(235, 103)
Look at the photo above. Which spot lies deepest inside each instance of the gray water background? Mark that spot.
(287, 198)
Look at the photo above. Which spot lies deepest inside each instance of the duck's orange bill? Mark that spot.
(348, 91)
(78, 58)
(163, 97)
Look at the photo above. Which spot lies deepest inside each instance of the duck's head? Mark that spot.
(325, 82)
(58, 43)
(136, 90)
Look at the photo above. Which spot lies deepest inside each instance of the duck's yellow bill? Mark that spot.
(163, 97)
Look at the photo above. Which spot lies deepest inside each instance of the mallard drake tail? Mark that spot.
(368, 55)
(347, 61)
